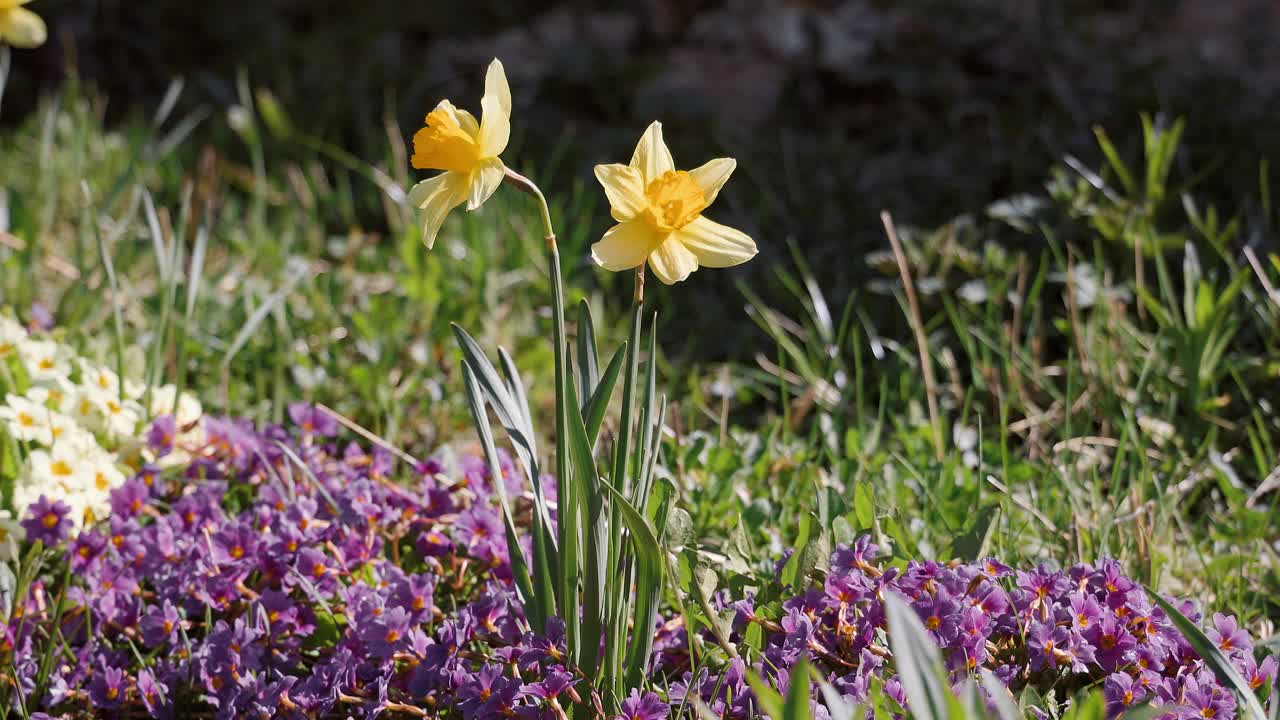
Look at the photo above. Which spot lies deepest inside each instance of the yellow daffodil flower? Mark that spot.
(659, 214)
(19, 26)
(467, 151)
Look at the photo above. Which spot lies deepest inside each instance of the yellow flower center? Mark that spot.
(675, 200)
(100, 480)
(49, 520)
(444, 145)
(26, 420)
(60, 468)
(46, 364)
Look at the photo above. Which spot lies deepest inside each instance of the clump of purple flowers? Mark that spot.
(1069, 630)
(285, 575)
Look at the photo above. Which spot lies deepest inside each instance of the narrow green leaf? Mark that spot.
(1212, 656)
(535, 602)
(588, 357)
(768, 700)
(603, 393)
(648, 562)
(918, 661)
(796, 704)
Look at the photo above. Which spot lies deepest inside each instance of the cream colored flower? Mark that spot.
(12, 334)
(659, 214)
(467, 151)
(104, 412)
(28, 420)
(188, 409)
(45, 359)
(19, 26)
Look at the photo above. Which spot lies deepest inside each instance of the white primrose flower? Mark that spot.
(29, 421)
(11, 335)
(45, 359)
(188, 409)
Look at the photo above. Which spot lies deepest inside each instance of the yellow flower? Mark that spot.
(19, 26)
(467, 151)
(659, 214)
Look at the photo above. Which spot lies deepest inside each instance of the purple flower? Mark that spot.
(312, 420)
(153, 693)
(107, 689)
(128, 499)
(1121, 692)
(555, 682)
(85, 550)
(1086, 611)
(1258, 675)
(1046, 643)
(1228, 636)
(387, 633)
(160, 625)
(47, 521)
(940, 615)
(1205, 700)
(643, 707)
(160, 435)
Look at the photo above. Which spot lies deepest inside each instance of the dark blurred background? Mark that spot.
(836, 109)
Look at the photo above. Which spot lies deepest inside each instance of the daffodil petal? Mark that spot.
(624, 187)
(652, 157)
(625, 245)
(716, 245)
(712, 176)
(436, 197)
(485, 179)
(672, 261)
(22, 28)
(495, 116)
(495, 85)
(465, 120)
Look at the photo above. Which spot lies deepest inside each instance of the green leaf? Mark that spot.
(918, 660)
(796, 704)
(647, 554)
(1113, 159)
(588, 357)
(767, 699)
(1213, 657)
(593, 415)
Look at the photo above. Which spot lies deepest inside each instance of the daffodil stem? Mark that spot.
(567, 604)
(638, 296)
(528, 187)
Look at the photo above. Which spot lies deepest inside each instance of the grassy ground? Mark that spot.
(1086, 370)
